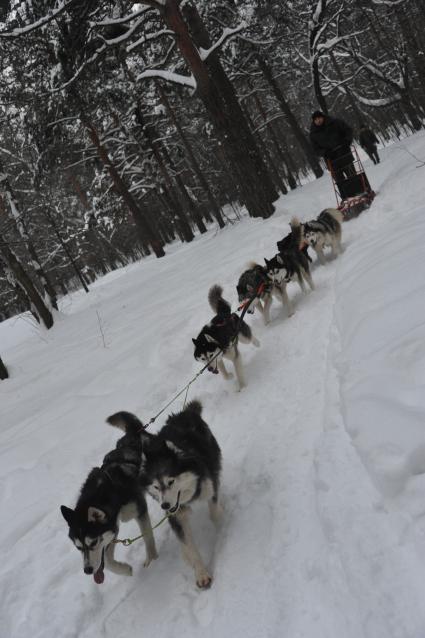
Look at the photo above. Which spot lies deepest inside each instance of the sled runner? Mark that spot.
(352, 189)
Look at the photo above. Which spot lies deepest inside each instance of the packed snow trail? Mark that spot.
(324, 451)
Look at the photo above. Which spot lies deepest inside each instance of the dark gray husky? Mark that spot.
(219, 338)
(289, 264)
(180, 466)
(111, 492)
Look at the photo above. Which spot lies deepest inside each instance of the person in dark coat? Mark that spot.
(331, 138)
(368, 142)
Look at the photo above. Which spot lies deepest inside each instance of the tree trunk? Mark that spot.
(3, 371)
(239, 126)
(410, 111)
(317, 86)
(224, 111)
(146, 231)
(17, 275)
(291, 181)
(317, 27)
(92, 234)
(269, 159)
(195, 214)
(290, 117)
(78, 272)
(192, 160)
(404, 94)
(348, 93)
(151, 136)
(413, 47)
(49, 292)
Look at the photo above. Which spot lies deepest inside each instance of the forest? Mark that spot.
(127, 126)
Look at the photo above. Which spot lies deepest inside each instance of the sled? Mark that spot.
(351, 186)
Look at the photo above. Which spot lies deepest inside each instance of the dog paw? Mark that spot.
(123, 569)
(228, 376)
(204, 580)
(149, 559)
(256, 342)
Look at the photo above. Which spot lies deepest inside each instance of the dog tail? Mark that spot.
(297, 232)
(251, 265)
(216, 301)
(335, 213)
(125, 421)
(194, 406)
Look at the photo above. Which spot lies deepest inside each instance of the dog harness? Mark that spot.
(228, 325)
(259, 281)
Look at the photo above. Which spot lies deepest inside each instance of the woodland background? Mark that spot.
(125, 126)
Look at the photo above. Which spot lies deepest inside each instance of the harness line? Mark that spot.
(244, 308)
(129, 541)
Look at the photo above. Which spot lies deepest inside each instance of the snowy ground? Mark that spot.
(324, 451)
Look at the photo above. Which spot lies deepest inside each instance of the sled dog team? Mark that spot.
(181, 464)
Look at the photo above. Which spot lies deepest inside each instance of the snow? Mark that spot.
(324, 451)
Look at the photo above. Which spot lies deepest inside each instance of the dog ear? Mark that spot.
(210, 339)
(174, 448)
(68, 514)
(95, 515)
(266, 262)
(279, 260)
(195, 341)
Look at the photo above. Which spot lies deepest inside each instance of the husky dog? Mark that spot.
(219, 338)
(180, 466)
(292, 242)
(256, 280)
(290, 264)
(324, 231)
(111, 492)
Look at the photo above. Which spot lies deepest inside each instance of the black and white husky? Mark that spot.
(111, 493)
(290, 264)
(180, 466)
(324, 231)
(219, 338)
(255, 281)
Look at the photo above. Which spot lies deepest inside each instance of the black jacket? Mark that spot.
(332, 139)
(367, 138)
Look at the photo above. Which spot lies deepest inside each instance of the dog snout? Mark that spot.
(165, 505)
(88, 569)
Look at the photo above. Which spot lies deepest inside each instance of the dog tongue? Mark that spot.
(99, 576)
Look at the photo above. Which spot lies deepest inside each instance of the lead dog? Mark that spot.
(180, 466)
(324, 231)
(219, 338)
(111, 492)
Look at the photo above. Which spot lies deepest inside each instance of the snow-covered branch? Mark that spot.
(226, 35)
(53, 14)
(168, 76)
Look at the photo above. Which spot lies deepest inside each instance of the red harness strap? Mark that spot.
(259, 292)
